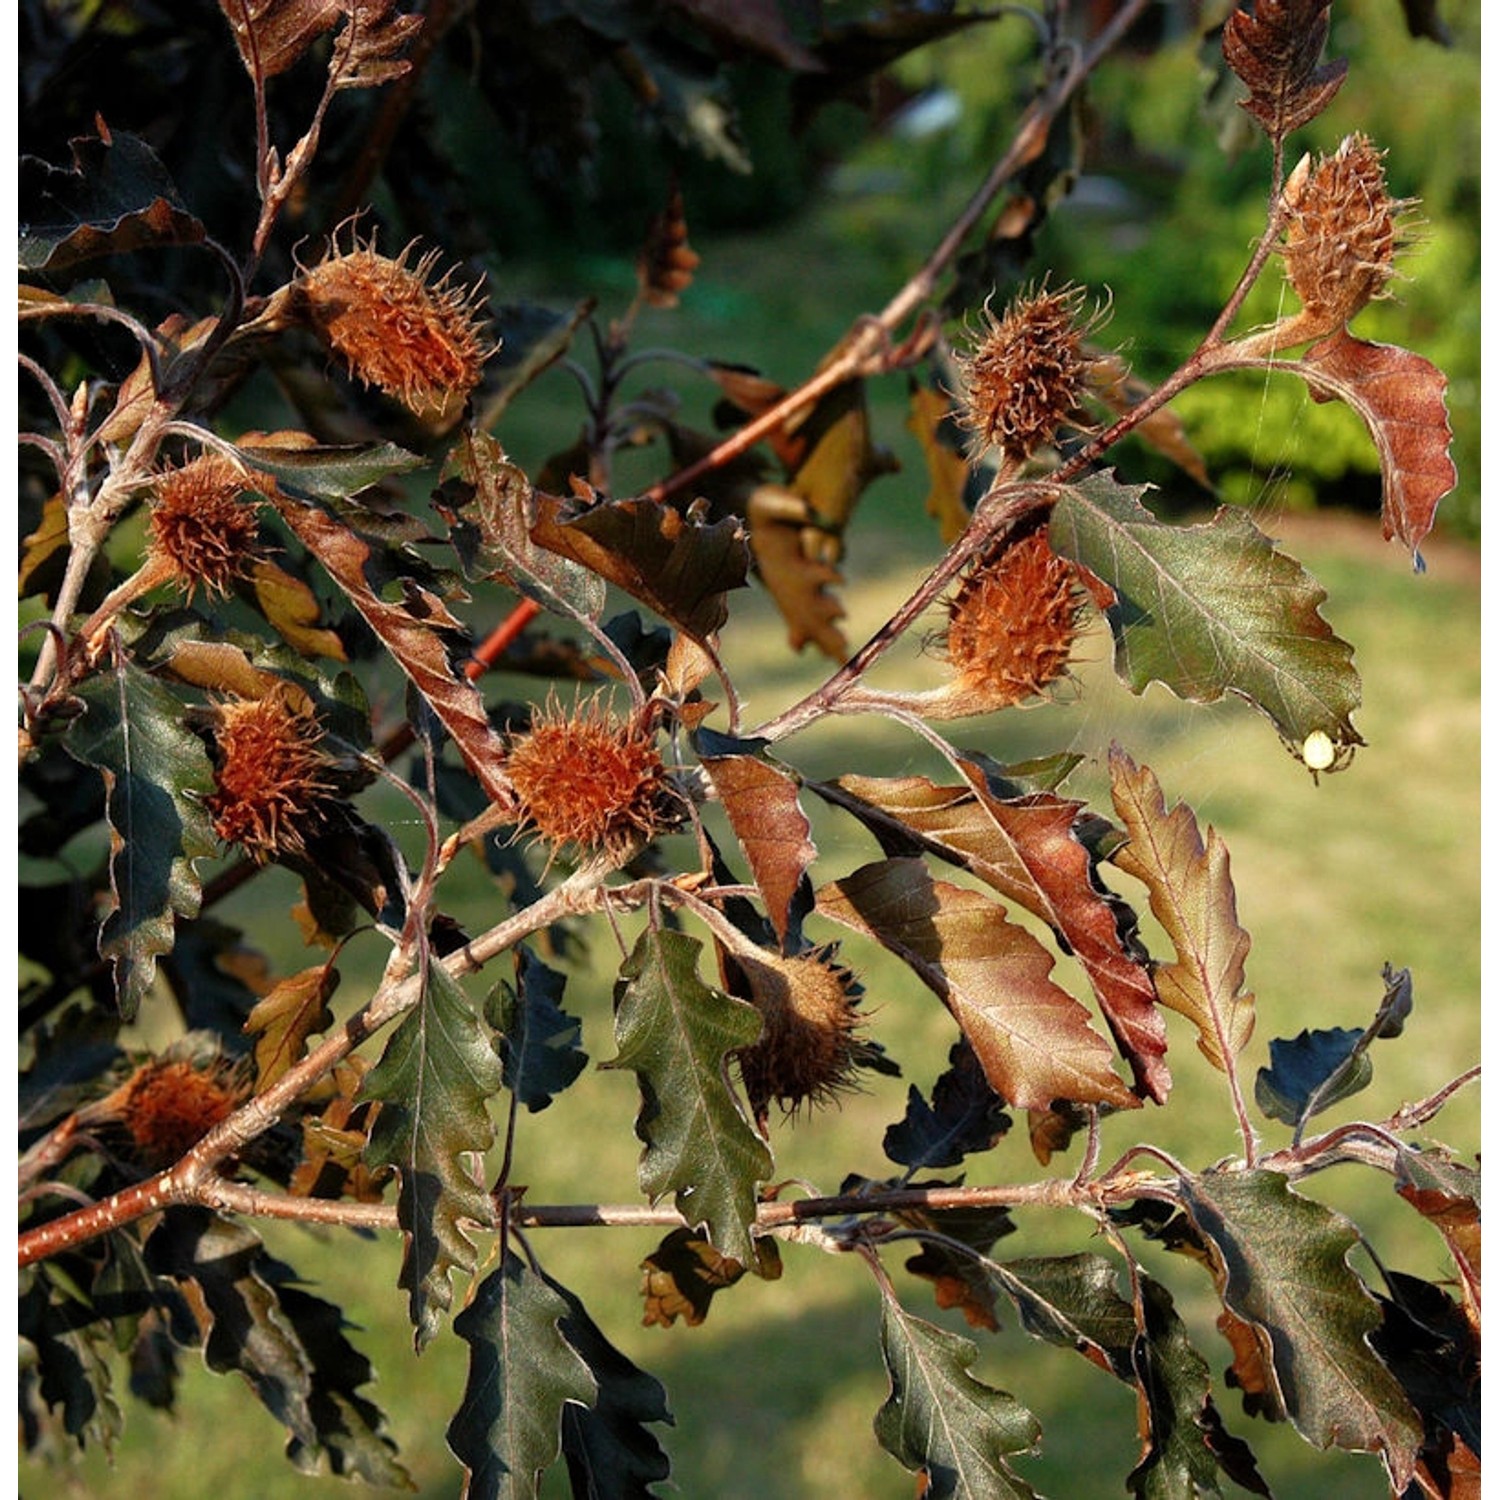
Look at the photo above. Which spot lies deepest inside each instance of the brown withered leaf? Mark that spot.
(1447, 1196)
(295, 1009)
(1112, 383)
(365, 52)
(1250, 1371)
(223, 668)
(291, 608)
(959, 1280)
(664, 268)
(947, 468)
(333, 1144)
(273, 34)
(800, 585)
(47, 543)
(761, 805)
(674, 562)
(1032, 1038)
(1192, 896)
(684, 1274)
(1401, 398)
(837, 460)
(410, 632)
(1026, 848)
(1052, 1130)
(1276, 50)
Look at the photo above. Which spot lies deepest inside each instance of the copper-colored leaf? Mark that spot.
(1250, 1370)
(365, 52)
(292, 608)
(1027, 849)
(684, 1274)
(1447, 1195)
(1192, 896)
(282, 1021)
(676, 563)
(1400, 395)
(410, 632)
(1032, 1038)
(47, 543)
(761, 804)
(273, 34)
(1275, 50)
(947, 468)
(799, 584)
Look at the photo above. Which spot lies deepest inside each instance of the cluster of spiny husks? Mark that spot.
(272, 780)
(590, 781)
(417, 339)
(809, 1046)
(1028, 372)
(204, 524)
(1343, 231)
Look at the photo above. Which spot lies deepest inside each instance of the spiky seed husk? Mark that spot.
(1343, 230)
(272, 783)
(168, 1105)
(809, 1045)
(1027, 373)
(590, 781)
(1012, 626)
(203, 521)
(414, 338)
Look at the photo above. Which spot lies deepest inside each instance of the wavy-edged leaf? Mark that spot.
(683, 1275)
(1032, 1038)
(1184, 1442)
(539, 1051)
(492, 519)
(966, 1115)
(939, 1421)
(1027, 846)
(1211, 609)
(1446, 1194)
(1072, 1301)
(608, 1447)
(291, 609)
(116, 197)
(410, 632)
(676, 1035)
(1281, 1262)
(155, 771)
(295, 1009)
(802, 586)
(959, 1279)
(761, 804)
(1192, 896)
(433, 1079)
(522, 1372)
(366, 47)
(273, 34)
(1316, 1068)
(65, 1370)
(1275, 50)
(288, 1344)
(1401, 398)
(673, 561)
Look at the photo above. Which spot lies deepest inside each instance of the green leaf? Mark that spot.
(1281, 1264)
(675, 562)
(154, 772)
(1318, 1068)
(1072, 1301)
(607, 1447)
(940, 1421)
(288, 1344)
(437, 1071)
(539, 1051)
(1211, 609)
(522, 1372)
(1032, 1038)
(116, 197)
(69, 1368)
(676, 1034)
(329, 471)
(1186, 1443)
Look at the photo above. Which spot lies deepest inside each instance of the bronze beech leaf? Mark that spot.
(1032, 1038)
(1275, 50)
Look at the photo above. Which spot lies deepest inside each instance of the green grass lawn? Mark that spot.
(774, 1394)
